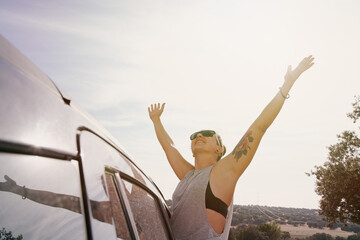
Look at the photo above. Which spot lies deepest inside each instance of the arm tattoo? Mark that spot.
(243, 146)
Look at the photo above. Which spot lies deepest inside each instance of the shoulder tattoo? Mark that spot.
(243, 146)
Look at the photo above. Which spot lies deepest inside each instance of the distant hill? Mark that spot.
(255, 214)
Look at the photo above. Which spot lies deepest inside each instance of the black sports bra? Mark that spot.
(214, 203)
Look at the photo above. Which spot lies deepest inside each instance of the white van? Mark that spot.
(62, 176)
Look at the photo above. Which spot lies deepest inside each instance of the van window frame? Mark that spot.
(124, 202)
(119, 175)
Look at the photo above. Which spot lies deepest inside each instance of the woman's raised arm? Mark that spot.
(238, 160)
(179, 165)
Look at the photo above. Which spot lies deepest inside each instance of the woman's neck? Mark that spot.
(204, 160)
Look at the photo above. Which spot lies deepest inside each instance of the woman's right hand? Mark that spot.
(292, 75)
(155, 111)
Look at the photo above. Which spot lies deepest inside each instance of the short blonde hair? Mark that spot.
(219, 142)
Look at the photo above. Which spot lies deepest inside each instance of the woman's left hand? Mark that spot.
(305, 64)
(8, 185)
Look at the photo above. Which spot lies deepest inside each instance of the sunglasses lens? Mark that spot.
(193, 136)
(208, 133)
(205, 133)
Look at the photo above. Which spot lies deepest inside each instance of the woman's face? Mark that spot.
(204, 144)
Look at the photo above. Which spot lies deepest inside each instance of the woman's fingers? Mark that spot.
(289, 69)
(156, 107)
(162, 107)
(309, 62)
(306, 63)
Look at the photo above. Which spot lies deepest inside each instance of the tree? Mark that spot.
(338, 180)
(320, 236)
(354, 237)
(5, 235)
(271, 230)
(286, 236)
(339, 238)
(249, 232)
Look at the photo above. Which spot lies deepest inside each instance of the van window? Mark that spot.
(40, 198)
(122, 230)
(147, 214)
(104, 165)
(93, 151)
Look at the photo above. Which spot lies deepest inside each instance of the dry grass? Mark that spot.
(305, 231)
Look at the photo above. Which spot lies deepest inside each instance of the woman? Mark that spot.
(202, 202)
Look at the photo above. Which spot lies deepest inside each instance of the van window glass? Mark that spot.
(122, 230)
(139, 175)
(109, 156)
(97, 155)
(147, 214)
(93, 152)
(40, 198)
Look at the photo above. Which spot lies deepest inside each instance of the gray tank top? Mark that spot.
(189, 220)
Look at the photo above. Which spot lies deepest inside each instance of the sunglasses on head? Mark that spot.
(205, 133)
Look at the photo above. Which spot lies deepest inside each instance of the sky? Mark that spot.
(216, 64)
